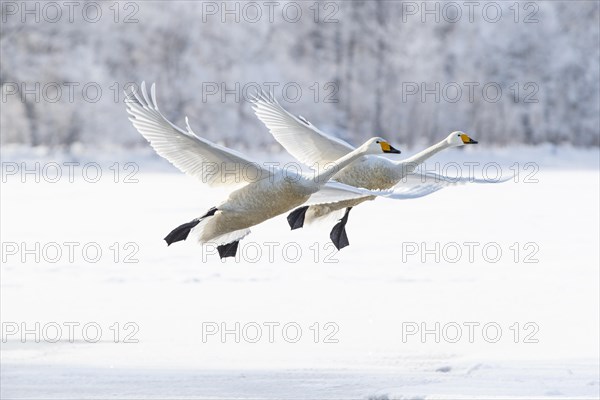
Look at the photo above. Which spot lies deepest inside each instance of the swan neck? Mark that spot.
(339, 164)
(427, 153)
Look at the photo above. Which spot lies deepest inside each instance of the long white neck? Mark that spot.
(340, 163)
(425, 154)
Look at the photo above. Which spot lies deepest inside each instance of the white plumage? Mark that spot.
(315, 148)
(263, 194)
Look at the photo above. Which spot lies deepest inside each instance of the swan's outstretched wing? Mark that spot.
(431, 178)
(213, 164)
(299, 137)
(333, 192)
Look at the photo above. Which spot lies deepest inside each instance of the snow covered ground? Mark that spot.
(147, 320)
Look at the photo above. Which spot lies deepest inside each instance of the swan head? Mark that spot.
(459, 138)
(378, 145)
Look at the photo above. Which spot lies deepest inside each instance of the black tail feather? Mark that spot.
(228, 250)
(338, 234)
(296, 217)
(182, 231)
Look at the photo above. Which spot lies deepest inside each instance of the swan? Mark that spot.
(313, 147)
(264, 193)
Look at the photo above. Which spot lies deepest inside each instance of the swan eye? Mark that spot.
(377, 141)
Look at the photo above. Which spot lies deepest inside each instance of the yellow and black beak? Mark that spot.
(387, 148)
(467, 140)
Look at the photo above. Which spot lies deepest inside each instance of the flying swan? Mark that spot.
(264, 193)
(313, 147)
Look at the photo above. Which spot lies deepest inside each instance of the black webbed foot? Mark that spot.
(338, 234)
(296, 217)
(182, 231)
(228, 250)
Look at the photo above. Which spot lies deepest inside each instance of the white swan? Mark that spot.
(265, 193)
(313, 147)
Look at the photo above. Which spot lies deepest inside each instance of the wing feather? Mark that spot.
(333, 192)
(213, 164)
(432, 178)
(299, 137)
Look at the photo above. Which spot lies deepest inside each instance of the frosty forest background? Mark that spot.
(404, 311)
(411, 76)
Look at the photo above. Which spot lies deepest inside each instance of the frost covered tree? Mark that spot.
(391, 68)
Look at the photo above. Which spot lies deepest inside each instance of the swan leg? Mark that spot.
(338, 233)
(228, 250)
(182, 231)
(296, 217)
